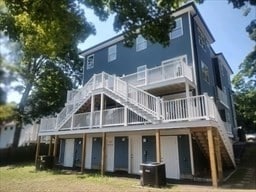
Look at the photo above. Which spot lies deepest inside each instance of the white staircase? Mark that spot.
(142, 103)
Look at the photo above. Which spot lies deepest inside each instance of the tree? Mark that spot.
(49, 92)
(245, 80)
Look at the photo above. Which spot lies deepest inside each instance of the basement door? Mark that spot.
(121, 154)
(170, 156)
(77, 152)
(148, 149)
(96, 152)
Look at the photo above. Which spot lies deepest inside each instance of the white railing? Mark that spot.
(222, 129)
(160, 73)
(185, 109)
(223, 98)
(144, 100)
(110, 117)
(71, 94)
(47, 124)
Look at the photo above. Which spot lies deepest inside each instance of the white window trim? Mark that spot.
(90, 65)
(141, 43)
(176, 29)
(112, 53)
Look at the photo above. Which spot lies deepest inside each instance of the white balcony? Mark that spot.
(173, 72)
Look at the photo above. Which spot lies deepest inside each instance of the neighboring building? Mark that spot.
(28, 134)
(149, 103)
(7, 134)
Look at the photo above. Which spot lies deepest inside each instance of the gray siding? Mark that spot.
(128, 59)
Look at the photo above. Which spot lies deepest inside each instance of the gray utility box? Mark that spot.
(153, 174)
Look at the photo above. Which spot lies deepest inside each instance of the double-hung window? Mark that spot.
(90, 62)
(141, 43)
(112, 53)
(178, 30)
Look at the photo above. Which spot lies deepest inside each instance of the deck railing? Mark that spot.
(160, 73)
(192, 108)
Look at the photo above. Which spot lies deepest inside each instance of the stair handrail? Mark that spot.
(148, 102)
(222, 130)
(80, 96)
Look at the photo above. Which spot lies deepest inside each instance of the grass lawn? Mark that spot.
(15, 178)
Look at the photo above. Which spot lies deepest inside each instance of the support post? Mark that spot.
(218, 158)
(158, 146)
(103, 153)
(37, 149)
(55, 147)
(188, 100)
(125, 116)
(212, 157)
(92, 110)
(50, 147)
(101, 108)
(83, 152)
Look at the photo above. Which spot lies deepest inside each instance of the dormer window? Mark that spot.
(178, 30)
(90, 62)
(141, 43)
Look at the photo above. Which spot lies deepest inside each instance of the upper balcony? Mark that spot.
(171, 74)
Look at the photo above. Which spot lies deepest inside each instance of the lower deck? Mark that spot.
(185, 154)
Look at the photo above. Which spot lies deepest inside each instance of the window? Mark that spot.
(90, 62)
(178, 30)
(141, 43)
(112, 53)
(205, 72)
(201, 39)
(141, 72)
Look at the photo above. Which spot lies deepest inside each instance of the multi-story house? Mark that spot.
(150, 103)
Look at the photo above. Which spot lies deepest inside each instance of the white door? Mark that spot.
(69, 153)
(135, 153)
(170, 156)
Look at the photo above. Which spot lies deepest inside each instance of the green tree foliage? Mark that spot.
(7, 112)
(46, 31)
(49, 92)
(245, 80)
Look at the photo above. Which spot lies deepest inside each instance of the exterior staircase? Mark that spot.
(135, 99)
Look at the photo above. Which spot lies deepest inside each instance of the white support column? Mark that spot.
(101, 108)
(92, 110)
(188, 100)
(72, 122)
(206, 98)
(158, 108)
(125, 116)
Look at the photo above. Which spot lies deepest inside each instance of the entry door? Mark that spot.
(96, 152)
(148, 149)
(69, 153)
(170, 156)
(78, 152)
(121, 153)
(136, 148)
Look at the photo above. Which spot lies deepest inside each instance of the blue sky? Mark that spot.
(226, 24)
